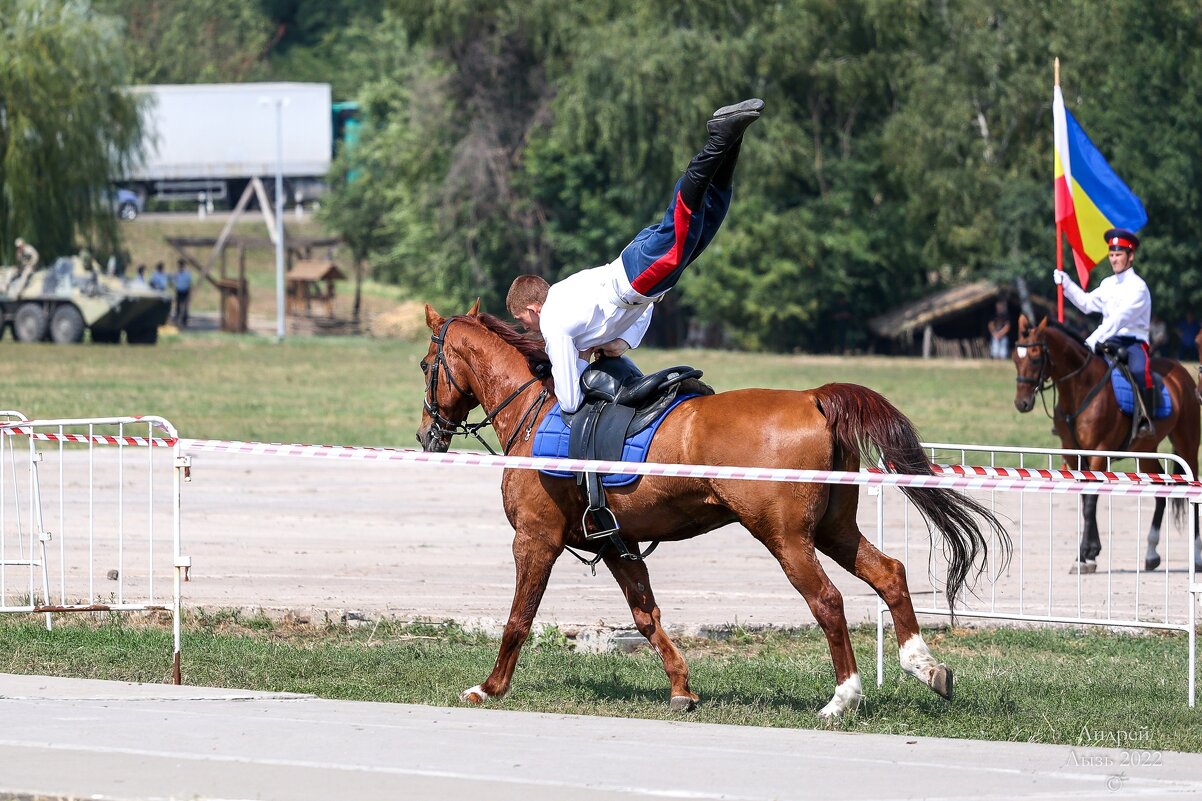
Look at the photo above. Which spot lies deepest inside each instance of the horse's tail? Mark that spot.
(861, 419)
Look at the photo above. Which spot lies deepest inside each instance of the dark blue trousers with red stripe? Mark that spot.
(656, 257)
(1137, 360)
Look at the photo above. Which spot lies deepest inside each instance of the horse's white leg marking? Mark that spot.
(1153, 541)
(466, 694)
(846, 698)
(916, 659)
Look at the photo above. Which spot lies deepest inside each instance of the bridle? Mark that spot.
(1044, 381)
(442, 428)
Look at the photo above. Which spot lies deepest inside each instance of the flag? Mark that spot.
(1090, 197)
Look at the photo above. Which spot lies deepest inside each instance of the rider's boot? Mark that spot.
(717, 159)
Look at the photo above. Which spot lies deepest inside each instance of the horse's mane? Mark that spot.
(1070, 333)
(530, 348)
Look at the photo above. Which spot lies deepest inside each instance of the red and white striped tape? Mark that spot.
(948, 480)
(1062, 475)
(964, 477)
(94, 439)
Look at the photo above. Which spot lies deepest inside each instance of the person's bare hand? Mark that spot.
(615, 348)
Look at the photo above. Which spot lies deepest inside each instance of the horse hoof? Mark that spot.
(474, 695)
(1151, 563)
(1083, 567)
(941, 681)
(683, 703)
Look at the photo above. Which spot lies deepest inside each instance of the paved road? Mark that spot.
(91, 739)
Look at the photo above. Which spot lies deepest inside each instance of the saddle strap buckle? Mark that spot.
(605, 522)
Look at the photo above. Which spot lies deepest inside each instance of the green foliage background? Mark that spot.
(906, 143)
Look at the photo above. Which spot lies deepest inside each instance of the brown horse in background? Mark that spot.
(478, 360)
(1087, 417)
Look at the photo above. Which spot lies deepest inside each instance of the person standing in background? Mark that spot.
(1187, 333)
(999, 332)
(27, 262)
(183, 291)
(158, 280)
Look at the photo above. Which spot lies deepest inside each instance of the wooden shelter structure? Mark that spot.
(234, 291)
(305, 286)
(953, 323)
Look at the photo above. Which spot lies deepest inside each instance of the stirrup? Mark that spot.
(602, 526)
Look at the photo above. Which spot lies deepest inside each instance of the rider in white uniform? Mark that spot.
(1125, 304)
(607, 309)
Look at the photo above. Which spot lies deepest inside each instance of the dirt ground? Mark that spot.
(422, 541)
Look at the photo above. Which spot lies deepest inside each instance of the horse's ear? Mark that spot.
(474, 311)
(1023, 323)
(433, 319)
(1043, 324)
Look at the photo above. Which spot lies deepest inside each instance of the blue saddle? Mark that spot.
(551, 441)
(1126, 400)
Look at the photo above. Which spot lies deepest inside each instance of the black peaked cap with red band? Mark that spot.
(1122, 238)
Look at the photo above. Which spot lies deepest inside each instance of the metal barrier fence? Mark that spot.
(1121, 596)
(1045, 533)
(89, 518)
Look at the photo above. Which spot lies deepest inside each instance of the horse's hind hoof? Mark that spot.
(941, 681)
(1151, 563)
(474, 695)
(683, 703)
(1083, 567)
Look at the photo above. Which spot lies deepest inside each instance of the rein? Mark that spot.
(444, 427)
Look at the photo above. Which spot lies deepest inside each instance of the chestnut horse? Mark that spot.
(478, 360)
(1087, 417)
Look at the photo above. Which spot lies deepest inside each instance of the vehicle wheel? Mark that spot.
(66, 325)
(127, 211)
(106, 337)
(147, 335)
(31, 323)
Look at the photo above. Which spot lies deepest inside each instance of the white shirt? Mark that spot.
(585, 310)
(1123, 301)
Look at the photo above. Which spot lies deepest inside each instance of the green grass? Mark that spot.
(1026, 685)
(358, 391)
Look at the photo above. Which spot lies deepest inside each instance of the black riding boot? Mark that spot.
(715, 161)
(1148, 396)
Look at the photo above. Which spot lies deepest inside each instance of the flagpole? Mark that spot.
(1059, 240)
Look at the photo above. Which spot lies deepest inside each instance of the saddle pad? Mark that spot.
(1126, 401)
(551, 441)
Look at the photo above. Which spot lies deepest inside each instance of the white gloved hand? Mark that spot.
(1058, 277)
(1091, 343)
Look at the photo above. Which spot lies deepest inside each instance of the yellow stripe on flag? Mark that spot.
(1091, 224)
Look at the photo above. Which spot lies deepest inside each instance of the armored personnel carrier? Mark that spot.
(62, 301)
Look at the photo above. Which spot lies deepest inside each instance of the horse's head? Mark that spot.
(1031, 362)
(449, 398)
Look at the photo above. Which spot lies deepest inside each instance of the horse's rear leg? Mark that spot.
(533, 558)
(636, 586)
(846, 545)
(795, 552)
(1152, 557)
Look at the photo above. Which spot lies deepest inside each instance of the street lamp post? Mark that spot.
(279, 103)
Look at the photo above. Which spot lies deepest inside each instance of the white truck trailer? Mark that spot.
(205, 141)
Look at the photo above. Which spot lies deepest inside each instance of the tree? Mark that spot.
(194, 41)
(66, 128)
